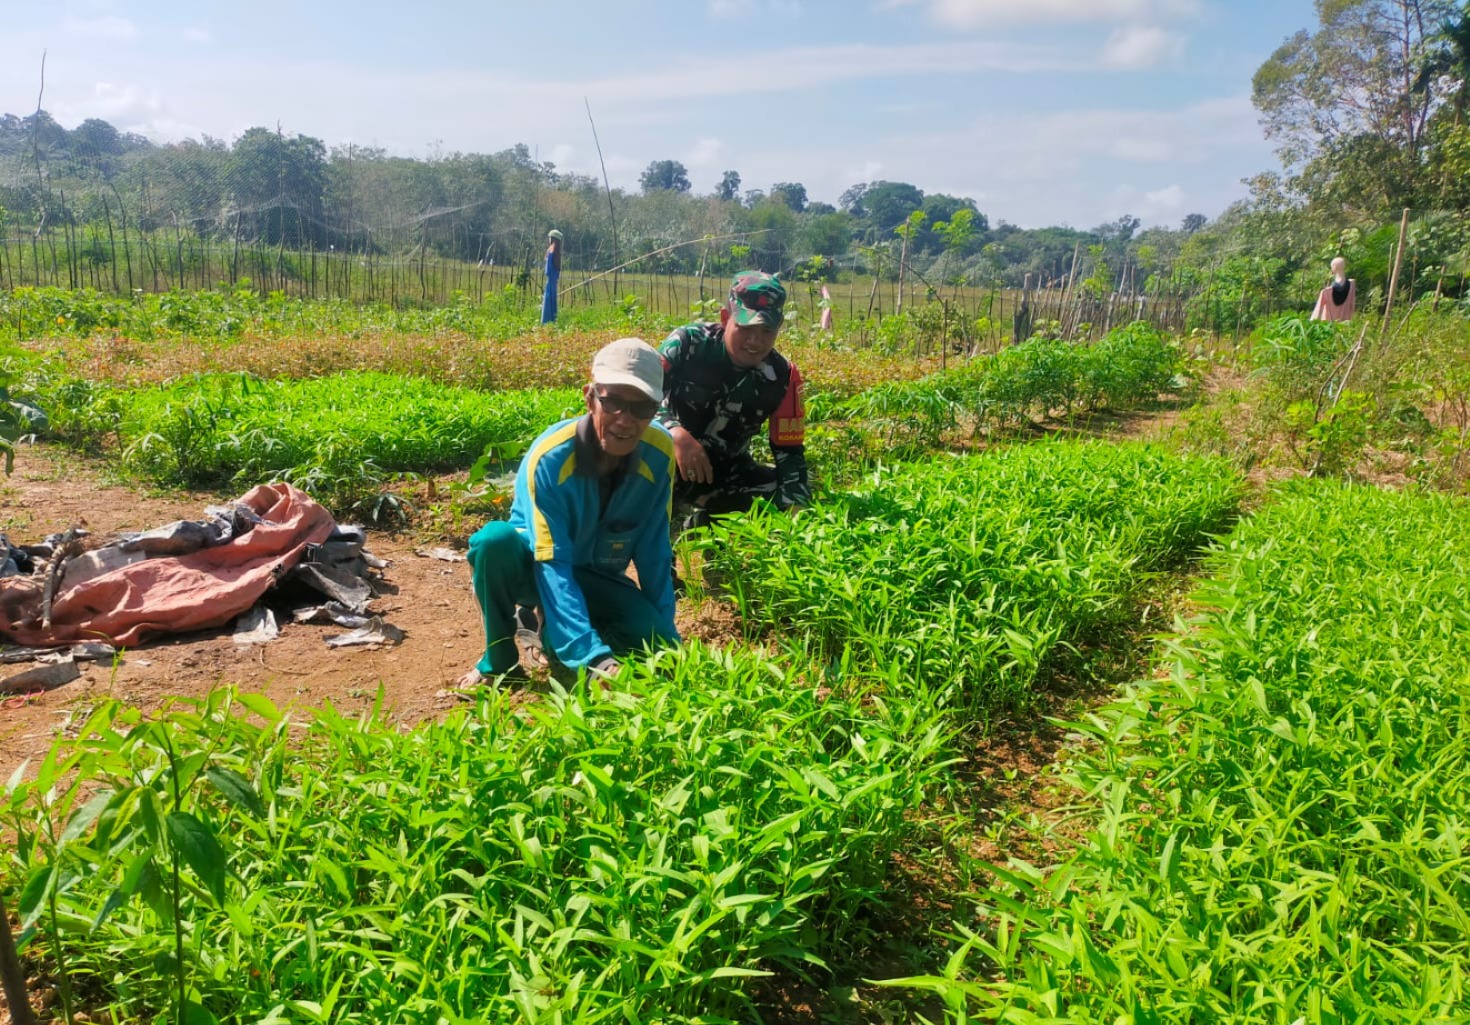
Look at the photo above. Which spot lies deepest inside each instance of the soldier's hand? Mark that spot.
(692, 459)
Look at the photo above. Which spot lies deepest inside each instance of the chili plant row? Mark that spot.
(1283, 819)
(592, 857)
(966, 580)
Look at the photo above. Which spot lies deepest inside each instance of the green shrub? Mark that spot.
(1296, 355)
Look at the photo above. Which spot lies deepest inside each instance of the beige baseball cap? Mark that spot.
(630, 361)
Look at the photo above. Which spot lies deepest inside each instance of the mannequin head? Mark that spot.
(1339, 268)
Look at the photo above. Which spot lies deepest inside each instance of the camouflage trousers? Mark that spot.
(738, 483)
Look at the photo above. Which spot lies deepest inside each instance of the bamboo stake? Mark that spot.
(903, 262)
(612, 216)
(1393, 283)
(1068, 289)
(877, 276)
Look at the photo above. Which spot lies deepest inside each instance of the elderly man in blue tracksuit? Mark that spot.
(592, 495)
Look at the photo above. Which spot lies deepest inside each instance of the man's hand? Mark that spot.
(692, 459)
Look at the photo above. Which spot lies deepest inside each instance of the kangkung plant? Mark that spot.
(633, 855)
(342, 437)
(1279, 821)
(966, 580)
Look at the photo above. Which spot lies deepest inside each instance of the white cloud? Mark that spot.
(1152, 206)
(127, 106)
(404, 110)
(905, 109)
(815, 66)
(706, 153)
(106, 27)
(1056, 168)
(196, 35)
(1027, 166)
(727, 10)
(1142, 150)
(973, 14)
(1168, 200)
(624, 169)
(866, 172)
(1140, 47)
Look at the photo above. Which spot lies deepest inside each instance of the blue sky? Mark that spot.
(1044, 111)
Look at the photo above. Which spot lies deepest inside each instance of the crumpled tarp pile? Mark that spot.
(190, 575)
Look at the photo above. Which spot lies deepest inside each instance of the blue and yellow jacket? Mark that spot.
(556, 511)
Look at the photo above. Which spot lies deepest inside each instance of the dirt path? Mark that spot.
(52, 489)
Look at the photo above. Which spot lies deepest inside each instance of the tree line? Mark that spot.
(276, 189)
(1368, 108)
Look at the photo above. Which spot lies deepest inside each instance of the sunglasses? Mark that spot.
(638, 409)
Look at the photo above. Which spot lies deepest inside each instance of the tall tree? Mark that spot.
(773, 230)
(851, 199)
(729, 187)
(664, 176)
(889, 204)
(1354, 76)
(825, 234)
(1447, 63)
(940, 209)
(279, 181)
(793, 194)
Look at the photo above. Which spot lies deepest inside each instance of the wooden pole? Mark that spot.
(1068, 289)
(12, 974)
(703, 259)
(903, 262)
(1393, 282)
(873, 292)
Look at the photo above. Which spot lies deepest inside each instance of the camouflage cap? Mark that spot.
(757, 298)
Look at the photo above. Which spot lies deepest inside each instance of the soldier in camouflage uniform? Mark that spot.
(722, 382)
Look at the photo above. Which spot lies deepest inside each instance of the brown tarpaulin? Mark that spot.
(172, 594)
